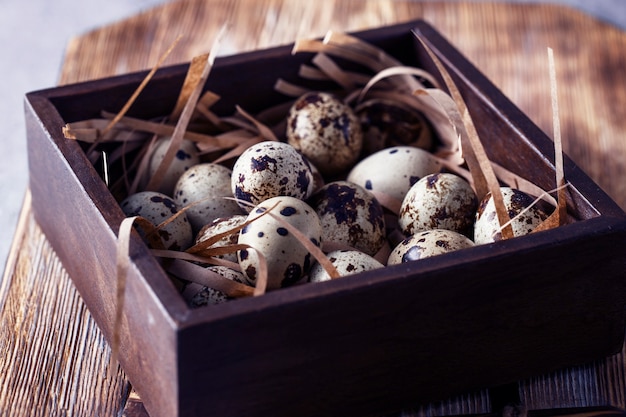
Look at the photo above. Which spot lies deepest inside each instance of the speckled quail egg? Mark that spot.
(270, 169)
(394, 170)
(347, 262)
(487, 226)
(287, 260)
(203, 188)
(222, 225)
(198, 295)
(156, 208)
(386, 123)
(429, 243)
(186, 157)
(350, 215)
(439, 201)
(326, 131)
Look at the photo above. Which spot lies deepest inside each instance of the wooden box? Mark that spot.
(360, 345)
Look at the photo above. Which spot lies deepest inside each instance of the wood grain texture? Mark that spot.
(53, 358)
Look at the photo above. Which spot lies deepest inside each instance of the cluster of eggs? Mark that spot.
(324, 181)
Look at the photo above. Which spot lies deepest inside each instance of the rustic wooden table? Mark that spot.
(53, 358)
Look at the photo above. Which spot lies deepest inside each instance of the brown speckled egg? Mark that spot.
(386, 123)
(156, 208)
(350, 215)
(393, 170)
(439, 201)
(270, 169)
(186, 157)
(287, 260)
(347, 262)
(429, 243)
(222, 225)
(487, 226)
(326, 131)
(198, 295)
(203, 188)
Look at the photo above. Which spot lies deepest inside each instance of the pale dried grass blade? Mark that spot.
(289, 89)
(206, 244)
(522, 184)
(122, 265)
(203, 276)
(474, 153)
(185, 117)
(309, 72)
(395, 71)
(262, 129)
(175, 254)
(163, 129)
(558, 142)
(142, 168)
(141, 87)
(333, 71)
(390, 203)
(312, 45)
(239, 149)
(368, 52)
(90, 131)
(192, 79)
(550, 222)
(313, 249)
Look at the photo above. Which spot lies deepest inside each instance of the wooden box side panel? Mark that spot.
(85, 243)
(387, 344)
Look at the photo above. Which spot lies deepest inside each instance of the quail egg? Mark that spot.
(198, 295)
(347, 262)
(156, 208)
(287, 260)
(393, 170)
(350, 215)
(326, 131)
(203, 188)
(222, 225)
(270, 169)
(487, 226)
(186, 157)
(429, 243)
(439, 201)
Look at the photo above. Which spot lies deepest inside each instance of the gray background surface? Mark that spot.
(33, 36)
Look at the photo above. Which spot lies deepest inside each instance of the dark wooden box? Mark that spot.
(360, 345)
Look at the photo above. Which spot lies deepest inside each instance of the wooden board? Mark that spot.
(53, 357)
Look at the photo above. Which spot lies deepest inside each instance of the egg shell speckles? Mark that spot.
(439, 201)
(287, 260)
(156, 208)
(271, 169)
(347, 262)
(350, 215)
(429, 243)
(222, 225)
(198, 295)
(326, 131)
(487, 226)
(394, 170)
(203, 188)
(186, 157)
